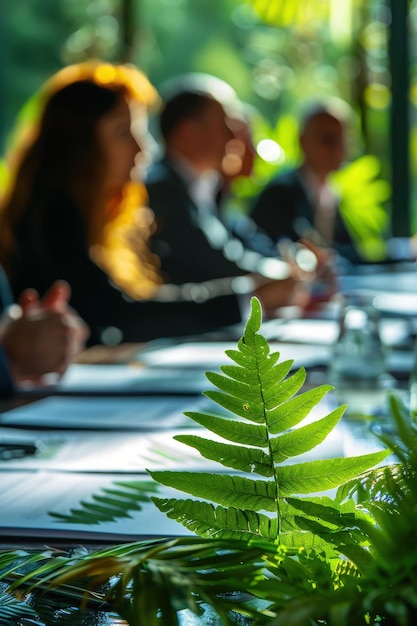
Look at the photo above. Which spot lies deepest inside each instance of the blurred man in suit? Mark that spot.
(197, 125)
(299, 203)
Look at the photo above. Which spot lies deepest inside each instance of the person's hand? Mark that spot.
(325, 258)
(42, 336)
(325, 284)
(55, 299)
(295, 290)
(312, 280)
(276, 294)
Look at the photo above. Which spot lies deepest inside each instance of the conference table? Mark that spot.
(115, 413)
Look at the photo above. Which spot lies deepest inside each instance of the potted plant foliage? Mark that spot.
(268, 546)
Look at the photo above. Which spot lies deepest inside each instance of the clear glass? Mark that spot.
(357, 364)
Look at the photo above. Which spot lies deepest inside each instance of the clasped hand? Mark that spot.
(311, 278)
(42, 336)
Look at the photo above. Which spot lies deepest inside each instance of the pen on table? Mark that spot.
(17, 448)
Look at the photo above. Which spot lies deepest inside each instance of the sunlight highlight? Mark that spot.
(270, 151)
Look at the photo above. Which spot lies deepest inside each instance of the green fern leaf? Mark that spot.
(225, 489)
(238, 380)
(334, 516)
(339, 525)
(266, 406)
(294, 410)
(249, 390)
(314, 476)
(256, 495)
(245, 375)
(282, 391)
(265, 398)
(226, 428)
(248, 366)
(207, 520)
(247, 459)
(252, 411)
(304, 438)
(241, 458)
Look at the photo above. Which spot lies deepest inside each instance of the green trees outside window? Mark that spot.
(275, 53)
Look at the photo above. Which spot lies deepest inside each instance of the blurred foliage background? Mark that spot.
(274, 53)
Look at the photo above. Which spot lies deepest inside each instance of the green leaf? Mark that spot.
(245, 375)
(325, 508)
(300, 552)
(292, 411)
(225, 489)
(241, 458)
(257, 434)
(314, 476)
(208, 520)
(184, 573)
(304, 438)
(265, 404)
(252, 411)
(249, 390)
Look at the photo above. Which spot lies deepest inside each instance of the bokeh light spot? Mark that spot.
(270, 151)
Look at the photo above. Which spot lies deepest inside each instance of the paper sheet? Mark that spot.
(209, 356)
(105, 413)
(124, 380)
(26, 498)
(71, 451)
(306, 331)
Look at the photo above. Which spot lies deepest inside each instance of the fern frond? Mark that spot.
(403, 437)
(266, 407)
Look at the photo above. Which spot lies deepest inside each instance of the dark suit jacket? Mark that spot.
(283, 209)
(190, 248)
(53, 245)
(182, 236)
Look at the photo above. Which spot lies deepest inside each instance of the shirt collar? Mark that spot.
(202, 186)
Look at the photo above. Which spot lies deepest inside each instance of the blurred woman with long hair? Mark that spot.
(72, 211)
